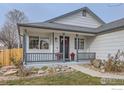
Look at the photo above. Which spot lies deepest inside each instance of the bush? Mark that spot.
(114, 64)
(44, 68)
(19, 64)
(96, 63)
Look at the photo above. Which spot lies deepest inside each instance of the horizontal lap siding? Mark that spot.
(107, 44)
(78, 20)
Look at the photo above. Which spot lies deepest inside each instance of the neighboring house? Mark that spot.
(80, 34)
(2, 46)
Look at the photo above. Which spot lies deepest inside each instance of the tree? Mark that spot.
(9, 33)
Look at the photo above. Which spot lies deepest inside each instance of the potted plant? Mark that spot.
(59, 56)
(72, 55)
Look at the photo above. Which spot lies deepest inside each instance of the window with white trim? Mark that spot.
(33, 42)
(36, 42)
(80, 43)
(44, 43)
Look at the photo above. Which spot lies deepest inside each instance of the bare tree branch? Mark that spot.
(9, 33)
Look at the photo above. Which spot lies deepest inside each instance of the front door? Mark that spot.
(66, 46)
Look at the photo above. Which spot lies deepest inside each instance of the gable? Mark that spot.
(76, 18)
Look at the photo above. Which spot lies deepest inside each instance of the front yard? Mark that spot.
(71, 78)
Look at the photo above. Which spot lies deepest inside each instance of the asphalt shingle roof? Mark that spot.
(49, 24)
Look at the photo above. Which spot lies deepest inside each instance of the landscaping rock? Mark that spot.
(6, 68)
(102, 67)
(58, 70)
(1, 73)
(34, 72)
(96, 63)
(10, 72)
(102, 70)
(41, 72)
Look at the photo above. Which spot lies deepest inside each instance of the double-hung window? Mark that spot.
(33, 42)
(36, 42)
(80, 43)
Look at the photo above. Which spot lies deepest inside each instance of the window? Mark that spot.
(38, 43)
(44, 43)
(80, 43)
(33, 42)
(84, 13)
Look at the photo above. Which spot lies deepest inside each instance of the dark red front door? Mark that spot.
(66, 46)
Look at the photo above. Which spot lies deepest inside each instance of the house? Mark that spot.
(78, 35)
(2, 46)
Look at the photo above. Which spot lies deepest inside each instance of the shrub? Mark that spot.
(22, 71)
(96, 63)
(14, 61)
(114, 64)
(44, 68)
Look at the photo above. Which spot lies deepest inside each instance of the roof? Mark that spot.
(105, 27)
(57, 26)
(112, 25)
(78, 10)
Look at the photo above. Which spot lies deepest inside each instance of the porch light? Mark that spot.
(56, 39)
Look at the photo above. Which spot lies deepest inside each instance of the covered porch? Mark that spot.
(47, 45)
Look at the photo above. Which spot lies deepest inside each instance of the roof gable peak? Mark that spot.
(76, 11)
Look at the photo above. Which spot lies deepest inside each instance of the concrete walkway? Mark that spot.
(96, 73)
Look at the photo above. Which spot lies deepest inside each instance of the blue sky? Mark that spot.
(41, 12)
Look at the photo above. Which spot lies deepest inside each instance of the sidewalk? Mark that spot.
(96, 73)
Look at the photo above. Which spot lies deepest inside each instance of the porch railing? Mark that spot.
(43, 57)
(47, 57)
(86, 55)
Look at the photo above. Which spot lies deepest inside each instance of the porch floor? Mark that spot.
(41, 64)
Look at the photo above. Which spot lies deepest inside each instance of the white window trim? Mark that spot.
(39, 43)
(78, 44)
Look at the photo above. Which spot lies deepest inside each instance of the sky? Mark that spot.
(44, 11)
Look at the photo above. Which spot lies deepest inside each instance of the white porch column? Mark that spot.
(25, 46)
(63, 47)
(77, 41)
(53, 44)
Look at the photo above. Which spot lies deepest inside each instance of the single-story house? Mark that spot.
(74, 36)
(2, 46)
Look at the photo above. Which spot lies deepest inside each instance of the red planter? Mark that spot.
(72, 55)
(59, 56)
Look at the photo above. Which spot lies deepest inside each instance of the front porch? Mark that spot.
(54, 57)
(55, 63)
(51, 46)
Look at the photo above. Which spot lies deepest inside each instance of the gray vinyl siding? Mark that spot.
(79, 20)
(107, 44)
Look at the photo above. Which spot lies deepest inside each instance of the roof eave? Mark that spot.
(42, 27)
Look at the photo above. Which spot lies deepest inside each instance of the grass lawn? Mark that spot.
(72, 78)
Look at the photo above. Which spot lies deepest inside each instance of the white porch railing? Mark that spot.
(48, 57)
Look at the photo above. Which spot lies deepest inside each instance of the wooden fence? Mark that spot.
(7, 54)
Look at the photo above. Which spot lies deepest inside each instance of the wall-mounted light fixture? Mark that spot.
(56, 39)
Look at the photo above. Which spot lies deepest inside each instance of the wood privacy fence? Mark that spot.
(7, 54)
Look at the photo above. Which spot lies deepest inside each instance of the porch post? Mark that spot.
(53, 44)
(24, 46)
(63, 47)
(77, 41)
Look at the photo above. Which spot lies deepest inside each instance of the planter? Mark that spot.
(59, 56)
(72, 55)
